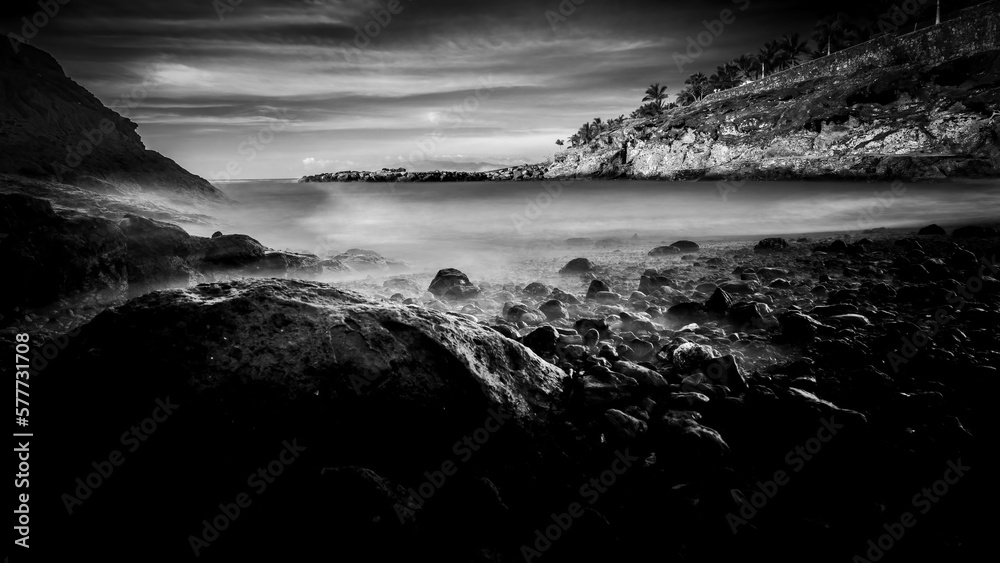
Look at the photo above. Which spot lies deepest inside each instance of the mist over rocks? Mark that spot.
(709, 389)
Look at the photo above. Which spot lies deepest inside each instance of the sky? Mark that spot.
(242, 89)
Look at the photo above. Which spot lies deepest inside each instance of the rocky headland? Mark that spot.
(920, 106)
(54, 130)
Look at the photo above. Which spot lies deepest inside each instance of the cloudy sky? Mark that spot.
(323, 85)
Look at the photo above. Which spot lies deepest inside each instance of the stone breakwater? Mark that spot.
(514, 173)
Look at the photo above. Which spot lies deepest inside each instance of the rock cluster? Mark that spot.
(703, 379)
(515, 173)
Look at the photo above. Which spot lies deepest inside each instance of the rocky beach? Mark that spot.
(354, 367)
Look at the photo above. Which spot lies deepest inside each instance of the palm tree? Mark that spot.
(655, 94)
(650, 109)
(745, 67)
(795, 47)
(686, 96)
(767, 57)
(699, 84)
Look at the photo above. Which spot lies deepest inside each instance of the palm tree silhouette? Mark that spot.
(655, 94)
(795, 47)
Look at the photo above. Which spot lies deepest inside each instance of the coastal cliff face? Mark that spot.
(910, 121)
(51, 128)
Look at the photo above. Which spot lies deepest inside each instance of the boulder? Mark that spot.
(664, 251)
(650, 283)
(931, 230)
(596, 286)
(447, 279)
(298, 374)
(686, 246)
(578, 266)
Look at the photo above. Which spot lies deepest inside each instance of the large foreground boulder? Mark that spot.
(295, 378)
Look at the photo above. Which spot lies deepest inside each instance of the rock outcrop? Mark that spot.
(908, 121)
(51, 128)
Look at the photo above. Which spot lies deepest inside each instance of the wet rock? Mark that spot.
(624, 427)
(771, 245)
(447, 279)
(58, 257)
(362, 260)
(542, 341)
(536, 289)
(690, 355)
(461, 293)
(750, 315)
(768, 274)
(931, 230)
(686, 246)
(645, 377)
(685, 312)
(719, 303)
(742, 287)
(401, 284)
(974, 231)
(648, 284)
(553, 310)
(337, 359)
(799, 327)
(694, 445)
(228, 252)
(608, 298)
(726, 371)
(596, 286)
(578, 265)
(600, 325)
(520, 313)
(157, 254)
(664, 251)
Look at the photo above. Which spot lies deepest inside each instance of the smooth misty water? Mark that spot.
(429, 224)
